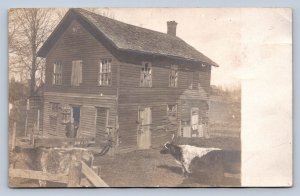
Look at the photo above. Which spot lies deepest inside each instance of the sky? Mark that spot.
(222, 34)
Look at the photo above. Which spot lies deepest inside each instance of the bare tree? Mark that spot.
(28, 30)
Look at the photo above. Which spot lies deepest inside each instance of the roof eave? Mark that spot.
(169, 56)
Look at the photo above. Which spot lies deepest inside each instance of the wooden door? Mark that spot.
(101, 124)
(194, 121)
(186, 131)
(144, 133)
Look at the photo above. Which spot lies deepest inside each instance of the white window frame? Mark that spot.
(105, 74)
(173, 77)
(57, 73)
(146, 75)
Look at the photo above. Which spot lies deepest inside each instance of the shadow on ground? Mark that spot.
(174, 169)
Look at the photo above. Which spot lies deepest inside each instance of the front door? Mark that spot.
(144, 133)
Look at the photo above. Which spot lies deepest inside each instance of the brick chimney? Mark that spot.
(171, 28)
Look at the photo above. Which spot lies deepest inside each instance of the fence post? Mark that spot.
(74, 176)
(13, 136)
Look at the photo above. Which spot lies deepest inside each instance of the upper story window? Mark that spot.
(104, 75)
(146, 75)
(57, 74)
(173, 78)
(76, 78)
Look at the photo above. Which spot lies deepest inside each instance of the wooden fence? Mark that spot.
(73, 179)
(79, 173)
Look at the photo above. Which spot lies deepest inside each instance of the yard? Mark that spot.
(148, 168)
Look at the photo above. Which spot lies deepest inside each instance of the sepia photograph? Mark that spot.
(134, 97)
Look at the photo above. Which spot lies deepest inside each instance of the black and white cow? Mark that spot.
(184, 154)
(210, 162)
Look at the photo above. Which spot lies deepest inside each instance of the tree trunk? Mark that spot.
(32, 77)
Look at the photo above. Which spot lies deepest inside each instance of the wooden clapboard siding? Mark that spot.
(204, 80)
(132, 96)
(128, 116)
(79, 46)
(124, 97)
(128, 122)
(131, 92)
(88, 105)
(87, 121)
(101, 124)
(187, 105)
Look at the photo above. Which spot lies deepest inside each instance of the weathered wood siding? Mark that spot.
(131, 92)
(187, 105)
(79, 45)
(128, 122)
(88, 107)
(132, 96)
(101, 123)
(124, 97)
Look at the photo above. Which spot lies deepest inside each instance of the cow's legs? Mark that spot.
(185, 171)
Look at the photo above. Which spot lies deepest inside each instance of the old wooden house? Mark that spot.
(112, 78)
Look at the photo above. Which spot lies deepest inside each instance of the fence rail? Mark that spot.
(73, 179)
(37, 175)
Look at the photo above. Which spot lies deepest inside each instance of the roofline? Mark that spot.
(42, 53)
(169, 56)
(139, 51)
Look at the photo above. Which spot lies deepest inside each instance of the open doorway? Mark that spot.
(75, 119)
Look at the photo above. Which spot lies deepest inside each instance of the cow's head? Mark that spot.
(167, 147)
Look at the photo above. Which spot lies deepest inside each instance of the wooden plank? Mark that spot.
(37, 175)
(85, 183)
(74, 174)
(92, 176)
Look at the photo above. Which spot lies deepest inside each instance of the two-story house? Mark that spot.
(136, 84)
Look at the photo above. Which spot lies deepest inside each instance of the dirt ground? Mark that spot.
(148, 168)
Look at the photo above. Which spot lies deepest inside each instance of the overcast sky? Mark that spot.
(222, 34)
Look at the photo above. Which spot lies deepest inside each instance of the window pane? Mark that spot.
(146, 75)
(57, 73)
(105, 72)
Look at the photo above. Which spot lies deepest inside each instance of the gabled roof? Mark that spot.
(130, 38)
